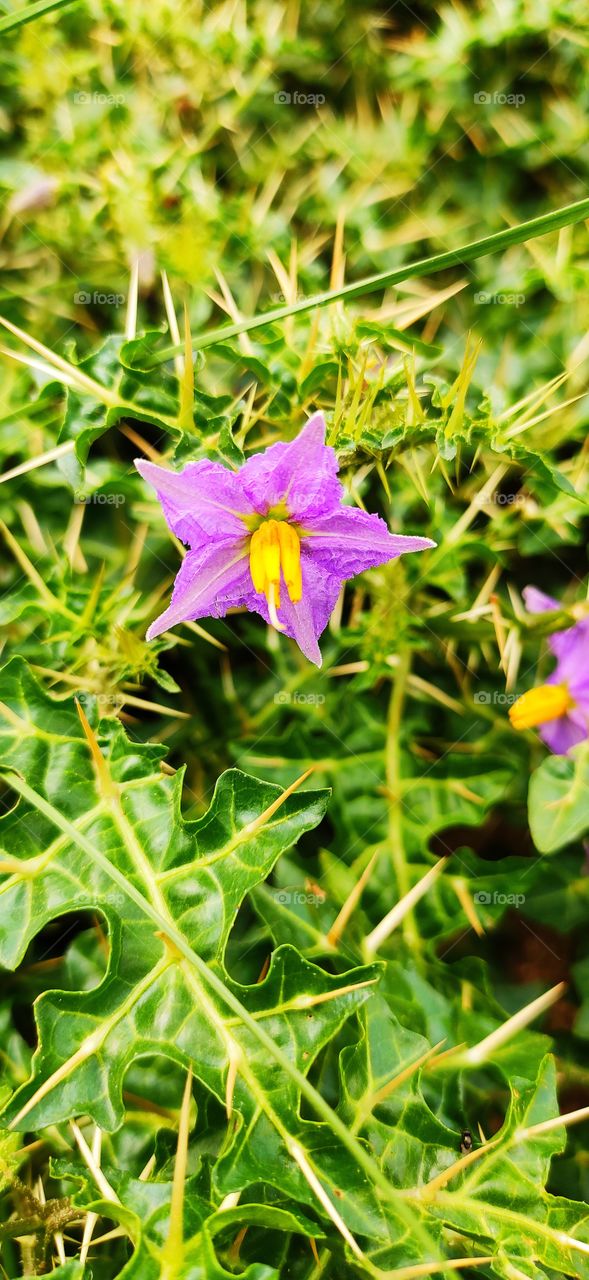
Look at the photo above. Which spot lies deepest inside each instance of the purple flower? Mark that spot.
(559, 708)
(273, 537)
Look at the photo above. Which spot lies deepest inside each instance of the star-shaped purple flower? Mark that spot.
(559, 709)
(273, 537)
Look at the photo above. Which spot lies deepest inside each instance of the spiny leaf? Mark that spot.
(119, 821)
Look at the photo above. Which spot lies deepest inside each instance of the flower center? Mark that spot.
(274, 549)
(537, 706)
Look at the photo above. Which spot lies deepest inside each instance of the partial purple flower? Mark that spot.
(273, 537)
(559, 709)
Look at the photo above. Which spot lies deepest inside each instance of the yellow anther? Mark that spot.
(547, 702)
(274, 549)
(290, 560)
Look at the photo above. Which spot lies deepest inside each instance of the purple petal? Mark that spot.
(211, 581)
(571, 647)
(537, 602)
(349, 541)
(303, 474)
(305, 621)
(562, 734)
(203, 501)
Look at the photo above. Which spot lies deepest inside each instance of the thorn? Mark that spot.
(382, 931)
(305, 1001)
(173, 1249)
(351, 903)
(173, 953)
(252, 827)
(147, 1169)
(232, 1070)
(300, 1158)
(204, 635)
(480, 500)
(92, 1164)
(186, 409)
(131, 318)
(467, 905)
(29, 569)
(142, 444)
(428, 1191)
(499, 627)
(428, 1268)
(569, 1117)
(230, 1201)
(447, 1053)
(91, 1218)
(40, 461)
(105, 781)
(233, 1255)
(383, 1093)
(73, 372)
(482, 1052)
(172, 322)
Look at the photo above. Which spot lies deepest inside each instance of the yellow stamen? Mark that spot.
(275, 549)
(537, 706)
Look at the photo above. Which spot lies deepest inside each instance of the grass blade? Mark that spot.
(31, 12)
(495, 243)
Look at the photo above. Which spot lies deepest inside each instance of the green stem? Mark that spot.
(393, 781)
(422, 267)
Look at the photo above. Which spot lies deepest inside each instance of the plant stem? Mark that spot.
(393, 781)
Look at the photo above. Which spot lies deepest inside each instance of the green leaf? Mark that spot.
(106, 834)
(558, 802)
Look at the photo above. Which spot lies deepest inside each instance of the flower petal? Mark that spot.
(203, 501)
(303, 474)
(350, 540)
(562, 734)
(211, 581)
(537, 601)
(305, 620)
